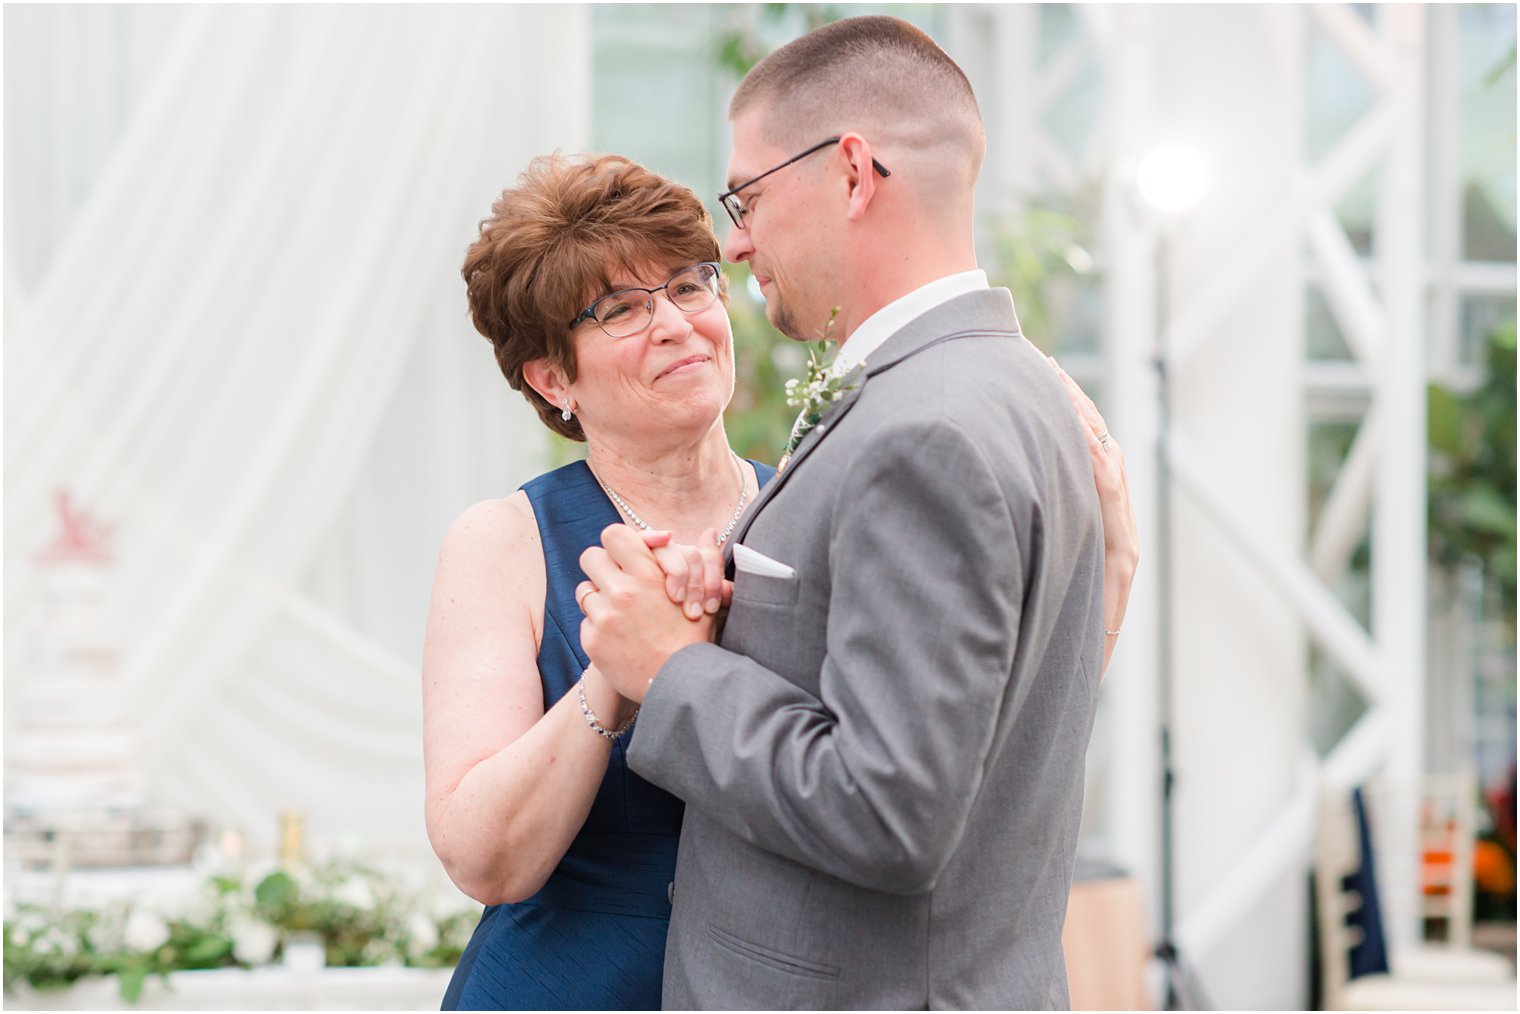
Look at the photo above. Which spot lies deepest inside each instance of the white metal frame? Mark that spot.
(1379, 308)
(1398, 313)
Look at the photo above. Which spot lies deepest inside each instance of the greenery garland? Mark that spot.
(361, 917)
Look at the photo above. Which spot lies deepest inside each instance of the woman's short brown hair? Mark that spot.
(553, 242)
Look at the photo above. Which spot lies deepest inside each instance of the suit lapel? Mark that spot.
(985, 313)
(815, 436)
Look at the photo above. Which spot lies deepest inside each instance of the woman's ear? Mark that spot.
(549, 381)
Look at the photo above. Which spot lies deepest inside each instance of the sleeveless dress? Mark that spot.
(594, 937)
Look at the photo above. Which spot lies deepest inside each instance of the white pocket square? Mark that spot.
(748, 561)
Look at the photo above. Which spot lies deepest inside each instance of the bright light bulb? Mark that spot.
(1172, 178)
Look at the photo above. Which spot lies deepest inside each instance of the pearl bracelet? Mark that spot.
(590, 716)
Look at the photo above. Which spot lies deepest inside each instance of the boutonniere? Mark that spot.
(819, 387)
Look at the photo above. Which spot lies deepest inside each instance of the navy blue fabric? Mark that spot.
(1369, 957)
(594, 937)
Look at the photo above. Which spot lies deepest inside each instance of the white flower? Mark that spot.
(31, 921)
(356, 892)
(303, 877)
(56, 942)
(253, 940)
(819, 387)
(106, 936)
(199, 907)
(377, 953)
(146, 931)
(422, 934)
(235, 906)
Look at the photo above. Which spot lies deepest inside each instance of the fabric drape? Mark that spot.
(250, 353)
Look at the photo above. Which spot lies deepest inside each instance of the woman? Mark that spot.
(530, 804)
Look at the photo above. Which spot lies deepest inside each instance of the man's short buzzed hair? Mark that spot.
(878, 75)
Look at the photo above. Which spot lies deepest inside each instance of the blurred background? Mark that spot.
(243, 401)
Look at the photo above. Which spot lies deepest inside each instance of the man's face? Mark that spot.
(785, 230)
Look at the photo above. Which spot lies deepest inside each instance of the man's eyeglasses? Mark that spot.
(737, 211)
(629, 311)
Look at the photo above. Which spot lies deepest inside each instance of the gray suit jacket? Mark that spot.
(883, 758)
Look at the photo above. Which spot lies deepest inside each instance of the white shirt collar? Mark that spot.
(887, 321)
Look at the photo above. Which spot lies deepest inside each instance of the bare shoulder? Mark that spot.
(492, 560)
(500, 526)
(494, 535)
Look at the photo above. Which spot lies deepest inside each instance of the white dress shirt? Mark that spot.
(887, 321)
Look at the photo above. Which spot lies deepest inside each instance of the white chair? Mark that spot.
(1425, 977)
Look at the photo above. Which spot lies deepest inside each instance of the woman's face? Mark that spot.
(674, 378)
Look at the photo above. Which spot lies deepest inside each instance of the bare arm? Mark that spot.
(1121, 537)
(508, 784)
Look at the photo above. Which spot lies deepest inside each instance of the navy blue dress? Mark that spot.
(594, 937)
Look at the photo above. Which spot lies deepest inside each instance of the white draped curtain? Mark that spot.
(237, 333)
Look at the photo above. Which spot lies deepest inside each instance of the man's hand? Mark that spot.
(631, 625)
(693, 574)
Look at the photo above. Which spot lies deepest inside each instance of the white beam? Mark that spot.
(1016, 36)
(1343, 519)
(1399, 508)
(1286, 840)
(1196, 321)
(1356, 39)
(1332, 627)
(1444, 153)
(1058, 74)
(1398, 528)
(1282, 846)
(1126, 53)
(1357, 311)
(1490, 277)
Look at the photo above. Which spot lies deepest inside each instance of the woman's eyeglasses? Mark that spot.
(628, 311)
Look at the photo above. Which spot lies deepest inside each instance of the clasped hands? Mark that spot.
(647, 598)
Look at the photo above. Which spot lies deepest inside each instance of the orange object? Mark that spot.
(1437, 872)
(1493, 870)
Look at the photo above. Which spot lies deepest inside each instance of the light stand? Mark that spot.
(1171, 180)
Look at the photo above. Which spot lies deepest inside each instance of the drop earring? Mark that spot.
(565, 412)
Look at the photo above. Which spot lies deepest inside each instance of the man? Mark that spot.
(883, 755)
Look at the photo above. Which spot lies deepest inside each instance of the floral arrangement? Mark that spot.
(819, 386)
(360, 917)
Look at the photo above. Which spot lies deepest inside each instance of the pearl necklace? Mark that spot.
(646, 526)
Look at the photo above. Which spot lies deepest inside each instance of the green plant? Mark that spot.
(50, 952)
(1472, 470)
(1040, 254)
(744, 41)
(759, 419)
(236, 920)
(52, 949)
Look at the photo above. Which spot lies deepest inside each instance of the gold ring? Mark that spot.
(581, 597)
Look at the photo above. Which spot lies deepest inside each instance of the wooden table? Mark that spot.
(1106, 943)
